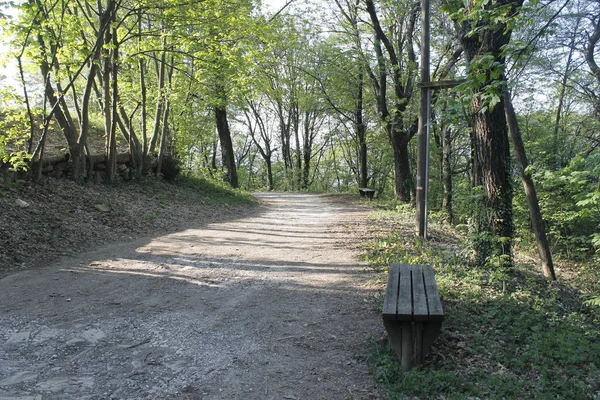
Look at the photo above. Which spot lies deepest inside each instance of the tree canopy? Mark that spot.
(319, 96)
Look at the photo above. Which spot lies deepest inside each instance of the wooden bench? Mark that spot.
(412, 312)
(366, 192)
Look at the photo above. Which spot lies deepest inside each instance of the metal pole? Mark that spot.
(423, 128)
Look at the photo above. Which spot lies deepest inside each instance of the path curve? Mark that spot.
(272, 306)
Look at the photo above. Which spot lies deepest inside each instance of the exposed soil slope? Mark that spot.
(41, 222)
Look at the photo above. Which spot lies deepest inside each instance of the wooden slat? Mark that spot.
(390, 303)
(405, 309)
(420, 311)
(436, 312)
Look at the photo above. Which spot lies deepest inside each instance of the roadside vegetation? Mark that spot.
(537, 339)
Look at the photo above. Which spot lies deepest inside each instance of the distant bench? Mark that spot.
(412, 312)
(366, 192)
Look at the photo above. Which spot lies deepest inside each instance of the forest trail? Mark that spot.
(271, 306)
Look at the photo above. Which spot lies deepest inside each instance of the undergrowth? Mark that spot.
(214, 192)
(536, 340)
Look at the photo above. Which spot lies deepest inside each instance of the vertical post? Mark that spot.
(424, 119)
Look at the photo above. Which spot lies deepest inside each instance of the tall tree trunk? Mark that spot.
(492, 156)
(213, 157)
(141, 170)
(269, 163)
(562, 91)
(490, 131)
(163, 138)
(160, 101)
(165, 120)
(446, 136)
(399, 131)
(361, 133)
(109, 87)
(537, 222)
(307, 149)
(226, 146)
(403, 177)
(296, 127)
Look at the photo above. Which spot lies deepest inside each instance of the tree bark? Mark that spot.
(160, 101)
(446, 137)
(226, 146)
(537, 222)
(399, 131)
(141, 169)
(361, 133)
(490, 131)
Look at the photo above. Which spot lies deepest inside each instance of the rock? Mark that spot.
(98, 177)
(102, 207)
(18, 378)
(21, 203)
(123, 157)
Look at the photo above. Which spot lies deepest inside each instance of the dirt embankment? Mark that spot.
(42, 222)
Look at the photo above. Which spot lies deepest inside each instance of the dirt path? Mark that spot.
(273, 306)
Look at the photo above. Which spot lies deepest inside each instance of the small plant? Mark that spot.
(150, 215)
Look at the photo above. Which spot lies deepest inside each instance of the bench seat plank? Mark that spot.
(420, 310)
(436, 312)
(390, 303)
(405, 309)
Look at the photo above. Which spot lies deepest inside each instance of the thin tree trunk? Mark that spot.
(307, 148)
(296, 125)
(160, 99)
(107, 110)
(361, 133)
(112, 159)
(226, 146)
(213, 158)
(163, 138)
(537, 222)
(144, 99)
(561, 100)
(165, 119)
(447, 171)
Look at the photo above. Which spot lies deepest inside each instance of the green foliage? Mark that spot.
(593, 302)
(570, 202)
(14, 134)
(533, 341)
(485, 82)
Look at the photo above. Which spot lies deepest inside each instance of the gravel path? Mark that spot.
(272, 306)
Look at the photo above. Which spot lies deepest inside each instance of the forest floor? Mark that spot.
(215, 301)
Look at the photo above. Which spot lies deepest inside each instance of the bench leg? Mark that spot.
(411, 341)
(408, 347)
(394, 331)
(401, 339)
(431, 331)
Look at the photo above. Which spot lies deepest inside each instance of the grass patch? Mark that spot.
(537, 340)
(214, 192)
